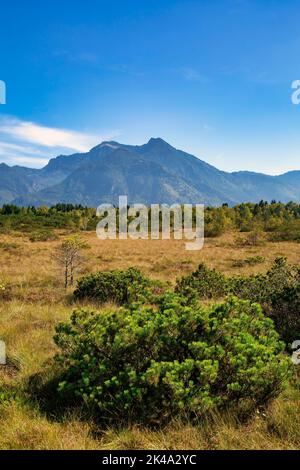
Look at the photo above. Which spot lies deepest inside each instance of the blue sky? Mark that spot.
(212, 77)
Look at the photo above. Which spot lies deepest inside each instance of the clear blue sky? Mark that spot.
(212, 77)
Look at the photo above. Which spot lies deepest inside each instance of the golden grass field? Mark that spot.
(38, 302)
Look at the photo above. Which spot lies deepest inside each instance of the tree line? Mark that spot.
(277, 218)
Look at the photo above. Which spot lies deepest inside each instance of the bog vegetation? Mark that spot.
(153, 364)
(117, 355)
(276, 220)
(277, 291)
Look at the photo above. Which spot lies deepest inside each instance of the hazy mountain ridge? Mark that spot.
(154, 172)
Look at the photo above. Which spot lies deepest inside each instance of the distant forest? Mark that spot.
(275, 220)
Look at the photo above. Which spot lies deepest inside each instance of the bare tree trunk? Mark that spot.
(68, 257)
(72, 275)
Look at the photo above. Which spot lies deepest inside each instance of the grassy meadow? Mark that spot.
(37, 302)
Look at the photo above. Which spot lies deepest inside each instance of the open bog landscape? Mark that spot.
(35, 301)
(149, 231)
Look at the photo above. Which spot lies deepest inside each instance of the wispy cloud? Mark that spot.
(22, 155)
(31, 143)
(8, 147)
(32, 162)
(48, 136)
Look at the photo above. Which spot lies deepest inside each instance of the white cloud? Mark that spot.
(44, 142)
(22, 155)
(49, 136)
(33, 162)
(6, 147)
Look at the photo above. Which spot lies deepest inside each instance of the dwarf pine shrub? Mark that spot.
(205, 283)
(118, 286)
(285, 311)
(262, 287)
(151, 364)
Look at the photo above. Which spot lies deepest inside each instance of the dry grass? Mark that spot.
(38, 302)
(30, 268)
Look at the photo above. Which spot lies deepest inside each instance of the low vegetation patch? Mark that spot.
(153, 364)
(250, 261)
(5, 290)
(276, 291)
(149, 355)
(204, 282)
(42, 236)
(116, 286)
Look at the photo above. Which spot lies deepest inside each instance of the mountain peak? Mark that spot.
(158, 141)
(148, 173)
(108, 143)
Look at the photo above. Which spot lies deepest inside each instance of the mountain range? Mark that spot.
(154, 172)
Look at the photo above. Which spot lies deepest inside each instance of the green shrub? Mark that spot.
(43, 236)
(250, 261)
(7, 394)
(286, 231)
(212, 230)
(253, 260)
(253, 287)
(119, 286)
(153, 364)
(285, 311)
(238, 263)
(255, 238)
(262, 287)
(282, 274)
(204, 282)
(278, 293)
